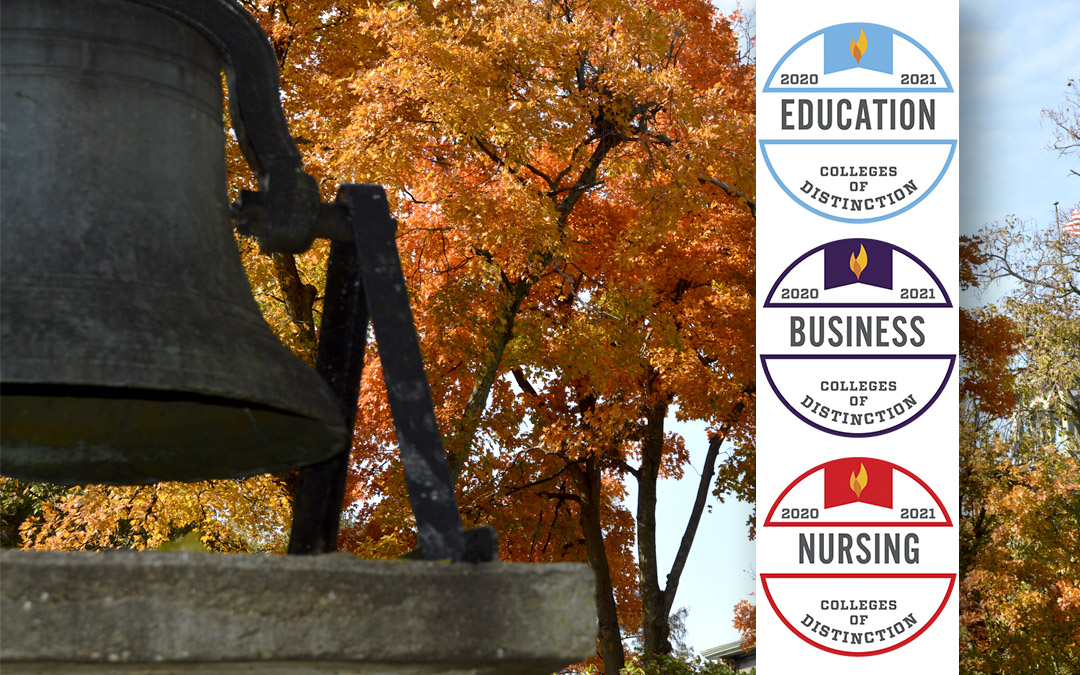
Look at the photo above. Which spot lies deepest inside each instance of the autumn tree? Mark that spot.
(573, 185)
(232, 516)
(1020, 600)
(1021, 480)
(667, 664)
(1020, 450)
(21, 502)
(989, 343)
(745, 622)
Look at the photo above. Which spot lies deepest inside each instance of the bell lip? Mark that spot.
(311, 397)
(292, 441)
(223, 349)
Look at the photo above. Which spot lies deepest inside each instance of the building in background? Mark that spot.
(732, 654)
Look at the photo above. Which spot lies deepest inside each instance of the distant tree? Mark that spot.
(746, 623)
(1043, 269)
(1020, 449)
(1065, 121)
(671, 664)
(237, 516)
(20, 503)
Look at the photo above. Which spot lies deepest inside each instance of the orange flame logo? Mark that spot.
(858, 48)
(858, 264)
(858, 483)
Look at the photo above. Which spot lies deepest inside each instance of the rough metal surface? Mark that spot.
(259, 122)
(120, 276)
(368, 266)
(427, 474)
(163, 612)
(320, 488)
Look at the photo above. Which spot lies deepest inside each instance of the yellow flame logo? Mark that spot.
(858, 264)
(858, 483)
(858, 48)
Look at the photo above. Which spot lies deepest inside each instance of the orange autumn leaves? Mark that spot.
(554, 223)
(572, 263)
(989, 341)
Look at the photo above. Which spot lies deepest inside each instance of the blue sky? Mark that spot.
(1015, 60)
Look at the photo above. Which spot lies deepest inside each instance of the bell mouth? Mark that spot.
(74, 435)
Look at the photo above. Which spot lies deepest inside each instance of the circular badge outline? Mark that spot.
(840, 652)
(926, 193)
(845, 357)
(896, 467)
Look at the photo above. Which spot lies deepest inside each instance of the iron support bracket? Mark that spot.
(374, 268)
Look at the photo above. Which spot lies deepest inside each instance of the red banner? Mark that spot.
(858, 479)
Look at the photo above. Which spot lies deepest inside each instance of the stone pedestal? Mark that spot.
(166, 612)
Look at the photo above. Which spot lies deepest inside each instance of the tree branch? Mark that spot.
(526, 387)
(469, 423)
(708, 470)
(750, 203)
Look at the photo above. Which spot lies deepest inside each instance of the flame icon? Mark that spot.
(858, 48)
(858, 264)
(858, 483)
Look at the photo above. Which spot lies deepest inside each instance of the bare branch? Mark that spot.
(704, 484)
(750, 203)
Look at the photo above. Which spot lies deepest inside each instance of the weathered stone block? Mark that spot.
(162, 612)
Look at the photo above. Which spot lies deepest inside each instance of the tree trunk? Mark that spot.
(656, 602)
(590, 488)
(655, 627)
(299, 300)
(460, 445)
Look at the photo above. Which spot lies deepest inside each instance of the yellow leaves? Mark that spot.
(1020, 600)
(232, 515)
(512, 74)
(192, 542)
(1021, 528)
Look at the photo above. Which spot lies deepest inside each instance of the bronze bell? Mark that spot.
(132, 350)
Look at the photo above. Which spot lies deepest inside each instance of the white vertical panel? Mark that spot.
(858, 219)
